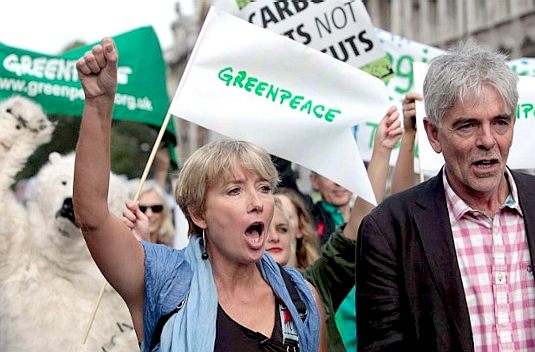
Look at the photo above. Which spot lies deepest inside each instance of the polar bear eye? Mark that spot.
(64, 183)
(8, 110)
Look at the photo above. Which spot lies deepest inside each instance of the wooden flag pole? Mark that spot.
(152, 155)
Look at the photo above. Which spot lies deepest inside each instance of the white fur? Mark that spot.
(23, 128)
(48, 280)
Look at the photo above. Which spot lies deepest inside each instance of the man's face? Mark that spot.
(475, 138)
(331, 192)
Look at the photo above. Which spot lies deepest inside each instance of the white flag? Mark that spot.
(251, 84)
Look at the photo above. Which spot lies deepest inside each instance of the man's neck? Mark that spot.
(486, 202)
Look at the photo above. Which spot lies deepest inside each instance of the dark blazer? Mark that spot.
(410, 295)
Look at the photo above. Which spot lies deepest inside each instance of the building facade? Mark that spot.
(508, 25)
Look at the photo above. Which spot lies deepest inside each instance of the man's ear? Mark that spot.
(432, 135)
(198, 219)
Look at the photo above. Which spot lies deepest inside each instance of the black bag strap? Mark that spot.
(155, 339)
(297, 301)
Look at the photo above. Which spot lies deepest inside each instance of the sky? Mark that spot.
(48, 26)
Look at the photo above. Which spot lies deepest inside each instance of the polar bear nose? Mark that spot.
(67, 210)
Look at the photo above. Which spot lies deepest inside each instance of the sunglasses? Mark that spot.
(157, 208)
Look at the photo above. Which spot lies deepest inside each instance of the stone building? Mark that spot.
(185, 30)
(508, 25)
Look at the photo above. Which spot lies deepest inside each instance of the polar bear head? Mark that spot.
(52, 210)
(22, 119)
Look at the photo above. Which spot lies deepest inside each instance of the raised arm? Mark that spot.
(403, 177)
(387, 135)
(117, 253)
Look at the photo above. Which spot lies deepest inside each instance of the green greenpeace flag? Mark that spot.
(52, 81)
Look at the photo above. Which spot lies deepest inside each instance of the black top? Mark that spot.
(231, 336)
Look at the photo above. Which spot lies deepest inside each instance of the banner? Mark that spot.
(339, 28)
(251, 84)
(520, 156)
(402, 53)
(52, 81)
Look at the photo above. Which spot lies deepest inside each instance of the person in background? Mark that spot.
(333, 273)
(447, 265)
(153, 203)
(333, 209)
(280, 243)
(305, 250)
(163, 175)
(404, 176)
(225, 190)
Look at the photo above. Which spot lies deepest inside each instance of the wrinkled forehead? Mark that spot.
(236, 170)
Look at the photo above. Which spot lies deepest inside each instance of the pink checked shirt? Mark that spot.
(497, 276)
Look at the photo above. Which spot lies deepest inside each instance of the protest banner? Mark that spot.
(52, 81)
(402, 53)
(524, 128)
(339, 28)
(294, 101)
(524, 66)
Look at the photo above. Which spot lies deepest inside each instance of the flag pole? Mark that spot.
(422, 176)
(152, 155)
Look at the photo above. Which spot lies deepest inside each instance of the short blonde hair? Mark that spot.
(213, 161)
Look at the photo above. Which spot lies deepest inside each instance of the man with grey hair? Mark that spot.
(446, 265)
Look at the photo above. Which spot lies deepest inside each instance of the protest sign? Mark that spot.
(294, 101)
(339, 28)
(52, 81)
(402, 53)
(523, 133)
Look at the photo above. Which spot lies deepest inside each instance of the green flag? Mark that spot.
(52, 81)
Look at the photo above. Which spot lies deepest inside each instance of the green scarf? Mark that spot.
(335, 214)
(345, 318)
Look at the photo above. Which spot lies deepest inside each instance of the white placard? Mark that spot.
(249, 83)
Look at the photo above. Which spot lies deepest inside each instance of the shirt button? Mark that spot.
(500, 278)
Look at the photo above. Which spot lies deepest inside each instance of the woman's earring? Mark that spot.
(204, 254)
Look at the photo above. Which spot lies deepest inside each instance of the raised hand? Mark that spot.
(97, 70)
(409, 111)
(389, 131)
(136, 220)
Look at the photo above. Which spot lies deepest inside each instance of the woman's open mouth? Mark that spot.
(254, 235)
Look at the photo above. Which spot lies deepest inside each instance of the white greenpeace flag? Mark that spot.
(520, 154)
(251, 84)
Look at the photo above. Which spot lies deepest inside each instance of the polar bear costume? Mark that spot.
(23, 128)
(48, 280)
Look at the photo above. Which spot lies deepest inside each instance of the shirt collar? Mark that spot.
(458, 207)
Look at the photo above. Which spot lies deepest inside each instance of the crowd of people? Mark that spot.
(442, 266)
